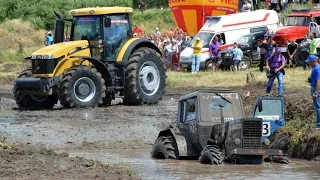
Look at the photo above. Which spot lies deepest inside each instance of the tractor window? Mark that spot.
(210, 110)
(270, 108)
(191, 113)
(298, 21)
(86, 26)
(117, 34)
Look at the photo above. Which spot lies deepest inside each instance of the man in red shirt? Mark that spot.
(137, 30)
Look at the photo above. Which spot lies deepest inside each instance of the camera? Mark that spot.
(270, 73)
(309, 80)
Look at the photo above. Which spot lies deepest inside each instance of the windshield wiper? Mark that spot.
(223, 98)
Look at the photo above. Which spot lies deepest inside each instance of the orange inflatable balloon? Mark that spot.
(189, 15)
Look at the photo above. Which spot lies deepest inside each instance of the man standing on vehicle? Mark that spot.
(236, 57)
(304, 45)
(197, 47)
(315, 85)
(214, 52)
(291, 50)
(275, 64)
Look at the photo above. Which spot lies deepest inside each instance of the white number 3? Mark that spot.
(266, 129)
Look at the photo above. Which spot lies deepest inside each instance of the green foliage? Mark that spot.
(40, 12)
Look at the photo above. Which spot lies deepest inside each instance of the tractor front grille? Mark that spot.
(251, 134)
(43, 66)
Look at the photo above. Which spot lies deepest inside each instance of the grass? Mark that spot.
(4, 143)
(225, 79)
(150, 19)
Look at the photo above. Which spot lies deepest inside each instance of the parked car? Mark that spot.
(248, 45)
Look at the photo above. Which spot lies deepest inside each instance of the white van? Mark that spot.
(230, 28)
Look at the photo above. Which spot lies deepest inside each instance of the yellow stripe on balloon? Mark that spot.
(190, 20)
(218, 13)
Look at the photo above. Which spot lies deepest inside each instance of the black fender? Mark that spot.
(101, 67)
(136, 44)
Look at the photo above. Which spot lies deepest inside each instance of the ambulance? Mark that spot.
(229, 29)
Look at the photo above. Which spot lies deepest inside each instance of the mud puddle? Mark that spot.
(148, 168)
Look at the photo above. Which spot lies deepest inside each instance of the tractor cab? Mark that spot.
(271, 110)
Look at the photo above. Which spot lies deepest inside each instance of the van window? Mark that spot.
(259, 29)
(222, 38)
(205, 37)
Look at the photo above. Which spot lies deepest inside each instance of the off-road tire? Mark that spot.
(211, 155)
(165, 147)
(247, 60)
(134, 93)
(66, 89)
(206, 66)
(25, 101)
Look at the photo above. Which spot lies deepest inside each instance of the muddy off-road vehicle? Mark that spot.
(101, 60)
(211, 126)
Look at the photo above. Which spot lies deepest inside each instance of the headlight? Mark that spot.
(42, 56)
(267, 142)
(237, 141)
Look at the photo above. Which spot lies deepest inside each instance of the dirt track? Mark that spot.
(109, 129)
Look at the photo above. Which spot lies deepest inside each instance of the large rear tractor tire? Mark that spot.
(165, 147)
(211, 155)
(27, 101)
(145, 77)
(81, 87)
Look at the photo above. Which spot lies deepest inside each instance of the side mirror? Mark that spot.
(260, 105)
(107, 22)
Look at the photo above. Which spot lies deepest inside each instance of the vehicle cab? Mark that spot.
(297, 24)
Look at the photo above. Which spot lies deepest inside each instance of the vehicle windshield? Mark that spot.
(210, 110)
(298, 21)
(271, 109)
(245, 39)
(86, 26)
(205, 37)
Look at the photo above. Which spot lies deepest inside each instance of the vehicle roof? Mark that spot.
(307, 14)
(211, 90)
(100, 11)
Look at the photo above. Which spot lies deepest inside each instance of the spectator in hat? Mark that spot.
(315, 86)
(197, 47)
(157, 32)
(275, 65)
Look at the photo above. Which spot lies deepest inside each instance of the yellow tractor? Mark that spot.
(101, 60)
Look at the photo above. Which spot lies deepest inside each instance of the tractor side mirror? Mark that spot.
(260, 105)
(107, 22)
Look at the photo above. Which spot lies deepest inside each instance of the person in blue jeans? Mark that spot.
(275, 64)
(315, 85)
(197, 47)
(236, 57)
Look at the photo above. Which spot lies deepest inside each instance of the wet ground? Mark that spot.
(123, 134)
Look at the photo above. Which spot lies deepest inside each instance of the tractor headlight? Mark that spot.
(237, 141)
(266, 142)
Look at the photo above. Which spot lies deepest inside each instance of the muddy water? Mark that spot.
(148, 168)
(122, 134)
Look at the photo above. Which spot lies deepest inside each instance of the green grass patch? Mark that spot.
(294, 80)
(152, 18)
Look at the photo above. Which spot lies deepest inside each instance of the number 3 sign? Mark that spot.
(266, 129)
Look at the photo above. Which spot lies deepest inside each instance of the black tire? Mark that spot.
(135, 91)
(211, 155)
(26, 101)
(207, 66)
(91, 79)
(247, 60)
(165, 147)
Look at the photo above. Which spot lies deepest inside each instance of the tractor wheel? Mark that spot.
(81, 87)
(245, 63)
(145, 77)
(25, 101)
(211, 155)
(165, 147)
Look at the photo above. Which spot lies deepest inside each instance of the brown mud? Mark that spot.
(125, 134)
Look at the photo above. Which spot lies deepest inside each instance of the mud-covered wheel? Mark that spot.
(165, 147)
(145, 77)
(81, 87)
(26, 101)
(211, 155)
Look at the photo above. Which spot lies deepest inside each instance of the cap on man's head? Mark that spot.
(265, 35)
(278, 49)
(312, 58)
(198, 39)
(135, 34)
